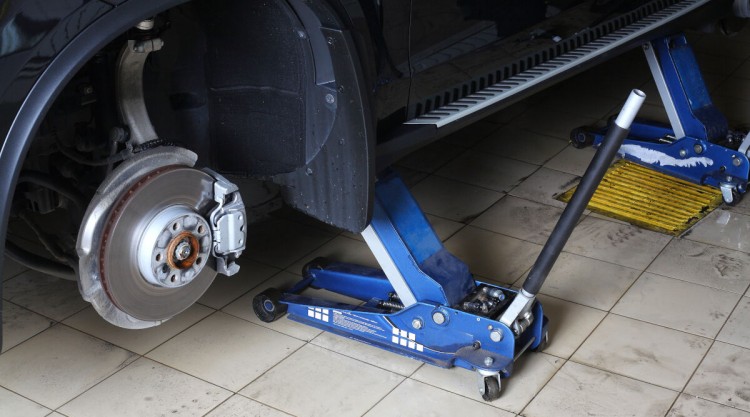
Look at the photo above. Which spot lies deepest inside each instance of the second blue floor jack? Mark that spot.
(423, 302)
(697, 145)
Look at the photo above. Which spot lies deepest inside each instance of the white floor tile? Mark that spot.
(59, 364)
(51, 297)
(618, 243)
(572, 160)
(588, 281)
(317, 382)
(369, 354)
(225, 350)
(146, 388)
(677, 304)
(339, 249)
(139, 341)
(737, 329)
(530, 373)
(226, 289)
(723, 228)
(578, 390)
(487, 171)
(12, 404)
(643, 351)
(723, 376)
(551, 122)
(279, 242)
(239, 406)
(19, 324)
(521, 145)
(11, 268)
(544, 185)
(243, 307)
(452, 199)
(689, 406)
(704, 264)
(500, 258)
(413, 398)
(569, 324)
(519, 218)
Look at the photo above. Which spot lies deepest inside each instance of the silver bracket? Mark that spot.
(661, 85)
(518, 316)
(726, 191)
(745, 145)
(228, 224)
(129, 82)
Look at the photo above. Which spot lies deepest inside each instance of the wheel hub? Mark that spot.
(151, 241)
(174, 247)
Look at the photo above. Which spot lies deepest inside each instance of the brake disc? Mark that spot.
(155, 235)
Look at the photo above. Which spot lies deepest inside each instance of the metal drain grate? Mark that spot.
(649, 199)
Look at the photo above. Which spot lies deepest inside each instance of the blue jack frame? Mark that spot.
(697, 147)
(429, 308)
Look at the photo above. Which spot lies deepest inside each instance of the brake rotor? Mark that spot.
(155, 252)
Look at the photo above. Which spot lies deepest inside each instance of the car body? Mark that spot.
(316, 97)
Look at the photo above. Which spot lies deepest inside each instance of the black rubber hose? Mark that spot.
(54, 184)
(39, 263)
(580, 200)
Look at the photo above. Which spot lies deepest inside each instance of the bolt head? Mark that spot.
(182, 251)
(736, 161)
(683, 153)
(488, 361)
(438, 317)
(698, 148)
(496, 335)
(416, 323)
(330, 99)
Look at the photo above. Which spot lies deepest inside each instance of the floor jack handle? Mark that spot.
(573, 211)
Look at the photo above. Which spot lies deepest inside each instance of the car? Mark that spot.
(126, 124)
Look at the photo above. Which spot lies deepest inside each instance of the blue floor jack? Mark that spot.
(697, 146)
(424, 302)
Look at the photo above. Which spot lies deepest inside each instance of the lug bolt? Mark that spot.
(182, 251)
(417, 323)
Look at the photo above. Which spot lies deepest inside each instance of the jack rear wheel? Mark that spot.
(543, 344)
(267, 306)
(491, 390)
(581, 138)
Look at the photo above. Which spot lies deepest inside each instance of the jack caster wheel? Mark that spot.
(267, 306)
(543, 344)
(736, 198)
(581, 138)
(491, 390)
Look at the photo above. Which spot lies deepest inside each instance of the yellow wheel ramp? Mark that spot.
(652, 200)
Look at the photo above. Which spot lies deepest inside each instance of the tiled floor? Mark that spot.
(641, 324)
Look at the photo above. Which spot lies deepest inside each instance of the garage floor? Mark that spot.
(642, 324)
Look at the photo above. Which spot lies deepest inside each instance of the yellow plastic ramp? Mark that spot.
(652, 200)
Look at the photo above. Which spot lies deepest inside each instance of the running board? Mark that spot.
(544, 72)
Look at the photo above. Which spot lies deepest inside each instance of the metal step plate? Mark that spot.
(654, 201)
(498, 92)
